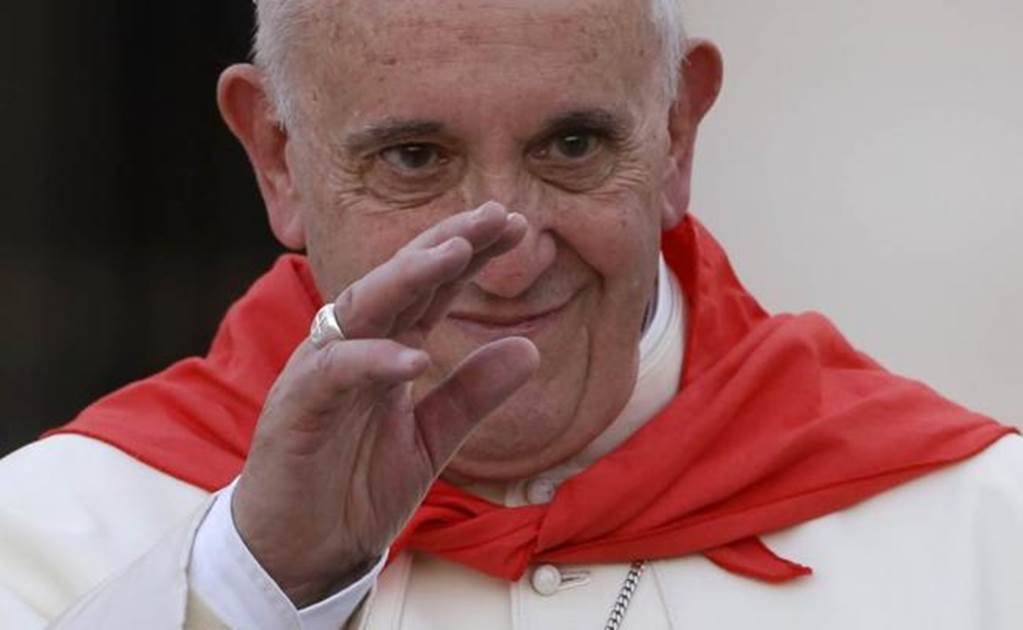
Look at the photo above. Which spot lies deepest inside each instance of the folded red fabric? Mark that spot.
(778, 420)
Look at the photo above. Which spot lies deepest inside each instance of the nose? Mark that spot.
(499, 177)
(512, 274)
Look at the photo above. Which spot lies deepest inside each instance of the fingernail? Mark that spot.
(515, 216)
(449, 246)
(487, 207)
(414, 359)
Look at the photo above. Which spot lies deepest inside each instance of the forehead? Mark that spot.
(364, 55)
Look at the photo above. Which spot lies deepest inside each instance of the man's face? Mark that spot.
(411, 111)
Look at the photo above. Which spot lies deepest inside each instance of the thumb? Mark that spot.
(478, 385)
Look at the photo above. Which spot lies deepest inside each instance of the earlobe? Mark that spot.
(700, 79)
(248, 113)
(676, 192)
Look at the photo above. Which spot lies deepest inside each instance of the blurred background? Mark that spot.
(865, 160)
(130, 218)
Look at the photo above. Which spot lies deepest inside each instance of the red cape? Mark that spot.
(778, 420)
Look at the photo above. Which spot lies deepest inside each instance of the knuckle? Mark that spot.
(324, 365)
(304, 385)
(352, 364)
(342, 367)
(408, 264)
(379, 358)
(409, 279)
(357, 316)
(344, 306)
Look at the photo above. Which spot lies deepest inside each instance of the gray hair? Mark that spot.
(279, 22)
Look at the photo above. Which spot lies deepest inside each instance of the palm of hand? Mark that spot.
(342, 455)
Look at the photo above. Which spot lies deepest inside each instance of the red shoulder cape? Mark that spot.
(778, 420)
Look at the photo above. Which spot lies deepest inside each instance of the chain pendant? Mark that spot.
(621, 605)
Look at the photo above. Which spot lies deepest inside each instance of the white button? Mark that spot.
(540, 491)
(546, 580)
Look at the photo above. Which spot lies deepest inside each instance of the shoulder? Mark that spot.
(73, 510)
(1002, 461)
(992, 480)
(950, 538)
(70, 474)
(985, 490)
(943, 552)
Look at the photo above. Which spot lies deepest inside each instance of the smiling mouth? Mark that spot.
(495, 326)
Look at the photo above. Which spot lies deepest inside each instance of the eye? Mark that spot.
(576, 160)
(413, 158)
(574, 146)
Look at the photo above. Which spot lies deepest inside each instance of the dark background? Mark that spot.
(130, 217)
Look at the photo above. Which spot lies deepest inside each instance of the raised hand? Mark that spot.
(342, 455)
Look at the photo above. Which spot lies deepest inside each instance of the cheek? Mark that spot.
(616, 233)
(351, 233)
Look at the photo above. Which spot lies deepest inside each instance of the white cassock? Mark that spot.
(95, 538)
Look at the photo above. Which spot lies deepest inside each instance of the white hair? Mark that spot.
(280, 22)
(671, 30)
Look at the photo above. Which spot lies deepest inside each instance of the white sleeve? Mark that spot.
(226, 576)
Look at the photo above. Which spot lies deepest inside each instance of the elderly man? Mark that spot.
(541, 398)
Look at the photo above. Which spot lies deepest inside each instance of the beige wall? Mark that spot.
(866, 160)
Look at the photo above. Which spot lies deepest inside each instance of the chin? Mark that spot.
(578, 391)
(523, 438)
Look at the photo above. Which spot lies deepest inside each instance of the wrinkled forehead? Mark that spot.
(354, 49)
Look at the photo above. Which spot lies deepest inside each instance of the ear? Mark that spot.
(700, 78)
(251, 117)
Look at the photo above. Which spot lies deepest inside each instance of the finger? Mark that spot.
(515, 230)
(323, 377)
(412, 315)
(370, 307)
(445, 295)
(394, 296)
(483, 381)
(481, 227)
(487, 243)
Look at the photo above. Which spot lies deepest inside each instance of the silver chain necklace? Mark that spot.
(621, 605)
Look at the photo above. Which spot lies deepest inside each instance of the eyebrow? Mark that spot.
(389, 132)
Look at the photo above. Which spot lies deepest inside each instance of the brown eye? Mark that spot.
(412, 158)
(411, 174)
(575, 146)
(575, 160)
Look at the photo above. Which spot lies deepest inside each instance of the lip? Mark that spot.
(498, 325)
